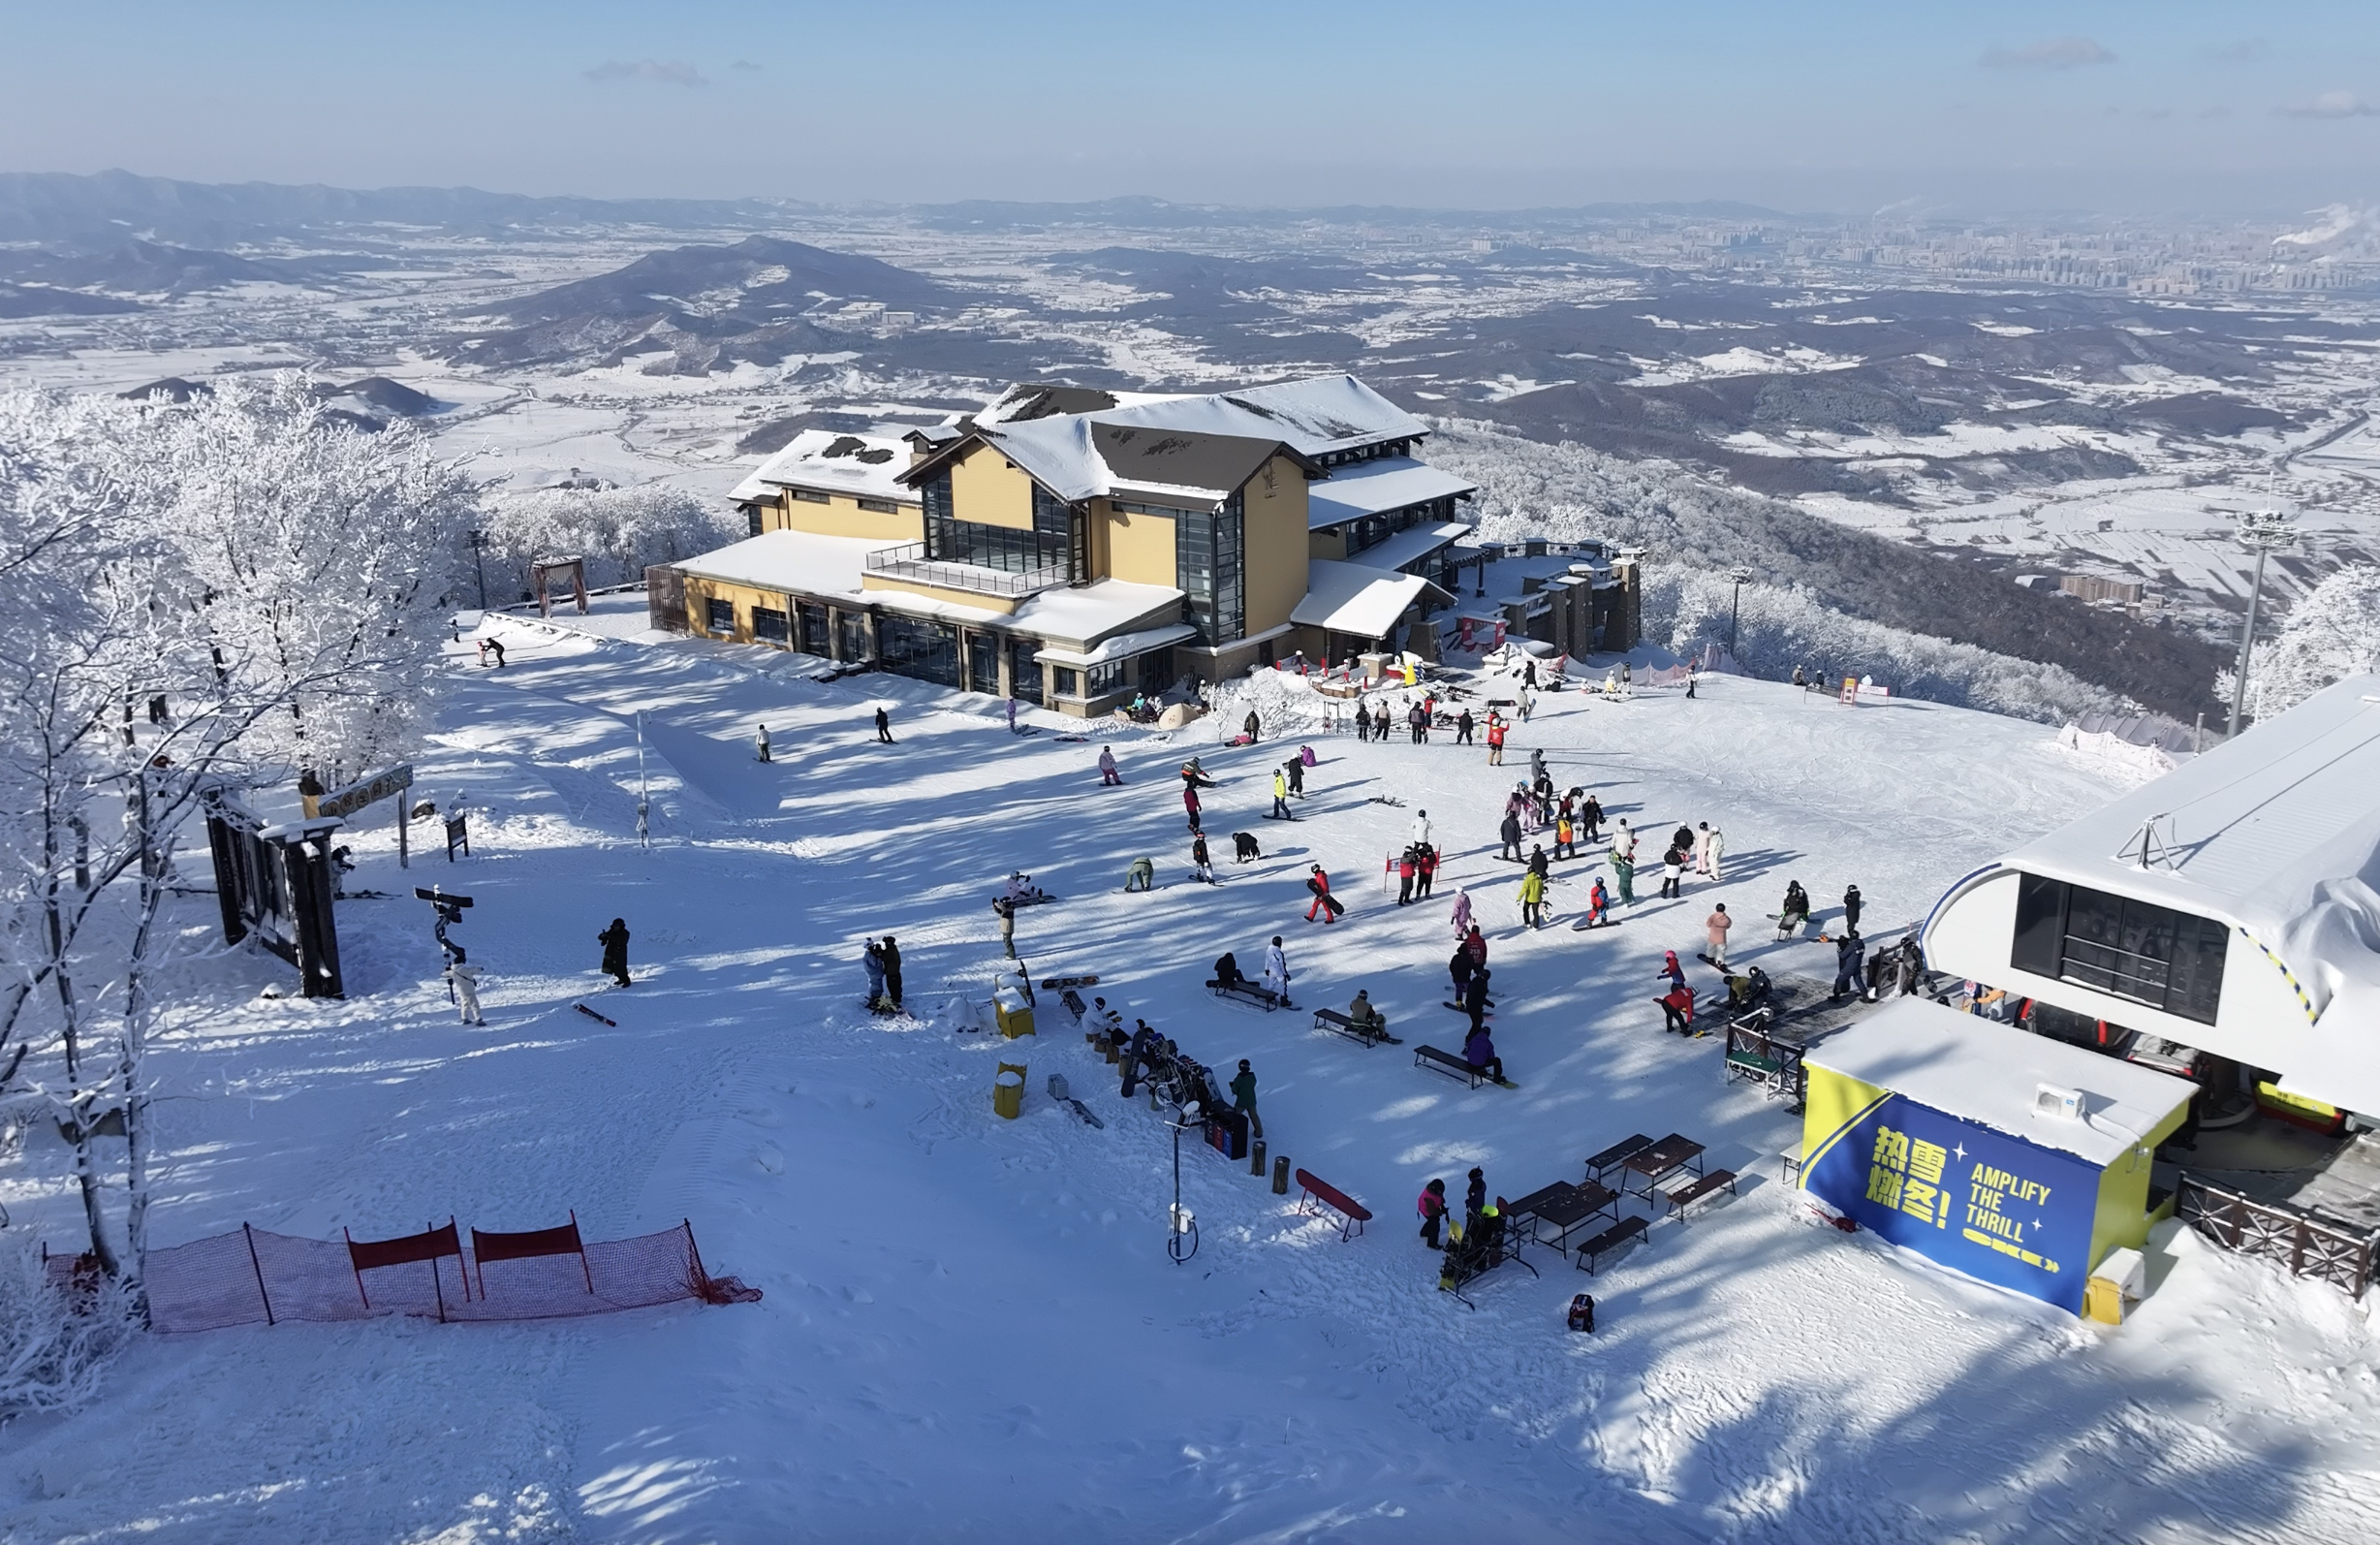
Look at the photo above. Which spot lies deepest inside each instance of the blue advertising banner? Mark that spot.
(1984, 1202)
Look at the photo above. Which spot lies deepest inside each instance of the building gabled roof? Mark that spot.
(865, 466)
(1317, 414)
(1359, 599)
(1077, 459)
(1372, 488)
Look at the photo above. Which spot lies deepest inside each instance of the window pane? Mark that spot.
(721, 615)
(771, 626)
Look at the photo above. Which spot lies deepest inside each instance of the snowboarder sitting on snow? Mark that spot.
(1141, 876)
(1794, 912)
(614, 940)
(1022, 892)
(1107, 768)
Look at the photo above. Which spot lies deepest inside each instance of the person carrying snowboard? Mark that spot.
(614, 940)
(1318, 882)
(1533, 900)
(1794, 912)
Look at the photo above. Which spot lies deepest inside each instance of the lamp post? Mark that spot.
(1181, 1230)
(2263, 532)
(1735, 608)
(479, 543)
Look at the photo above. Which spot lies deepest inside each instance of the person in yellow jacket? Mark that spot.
(1533, 900)
(1280, 796)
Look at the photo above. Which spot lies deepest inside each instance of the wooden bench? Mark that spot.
(1245, 990)
(1609, 1240)
(1775, 1064)
(1612, 1158)
(1447, 1063)
(1685, 1196)
(1353, 1214)
(1333, 1020)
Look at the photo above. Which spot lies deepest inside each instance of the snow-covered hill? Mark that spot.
(972, 1331)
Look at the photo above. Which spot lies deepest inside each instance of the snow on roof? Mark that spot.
(1407, 546)
(1356, 598)
(1094, 611)
(862, 465)
(1028, 400)
(2272, 831)
(1121, 647)
(1057, 453)
(1319, 414)
(789, 560)
(1987, 1073)
(1370, 487)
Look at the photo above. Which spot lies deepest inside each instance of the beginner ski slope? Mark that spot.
(972, 1331)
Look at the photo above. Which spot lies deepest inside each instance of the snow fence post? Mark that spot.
(249, 1235)
(1255, 1161)
(1280, 1175)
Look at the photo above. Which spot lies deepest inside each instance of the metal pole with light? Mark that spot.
(479, 543)
(1182, 1233)
(2263, 532)
(1735, 608)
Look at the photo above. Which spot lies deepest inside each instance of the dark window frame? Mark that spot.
(713, 606)
(2138, 951)
(813, 495)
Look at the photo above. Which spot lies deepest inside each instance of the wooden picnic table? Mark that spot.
(1649, 1165)
(1536, 1202)
(1584, 1203)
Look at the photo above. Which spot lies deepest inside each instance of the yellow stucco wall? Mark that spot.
(841, 516)
(701, 592)
(1277, 543)
(971, 599)
(987, 489)
(1139, 548)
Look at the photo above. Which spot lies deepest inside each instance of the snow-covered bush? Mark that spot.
(54, 1345)
(1779, 629)
(2332, 634)
(618, 531)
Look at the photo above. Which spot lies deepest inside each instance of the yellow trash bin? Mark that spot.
(2116, 1286)
(1008, 1091)
(1014, 1013)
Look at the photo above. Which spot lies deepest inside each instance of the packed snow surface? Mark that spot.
(972, 1329)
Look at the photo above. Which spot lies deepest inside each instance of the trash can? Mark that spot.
(1227, 1133)
(1014, 1013)
(1008, 1091)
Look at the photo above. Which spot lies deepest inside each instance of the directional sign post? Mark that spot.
(371, 791)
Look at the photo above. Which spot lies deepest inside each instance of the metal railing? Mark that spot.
(2308, 1245)
(910, 562)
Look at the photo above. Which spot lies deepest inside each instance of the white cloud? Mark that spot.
(668, 72)
(744, 64)
(2333, 104)
(2050, 53)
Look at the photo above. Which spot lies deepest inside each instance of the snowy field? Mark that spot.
(971, 1329)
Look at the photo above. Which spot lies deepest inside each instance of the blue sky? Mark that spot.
(1842, 106)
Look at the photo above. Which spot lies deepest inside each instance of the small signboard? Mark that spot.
(370, 791)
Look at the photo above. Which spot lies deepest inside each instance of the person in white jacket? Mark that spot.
(1276, 971)
(1702, 847)
(1420, 830)
(1714, 847)
(466, 980)
(1623, 839)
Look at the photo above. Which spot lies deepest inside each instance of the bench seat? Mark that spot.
(1609, 1240)
(1612, 1158)
(1245, 990)
(1332, 1019)
(1447, 1063)
(1685, 1196)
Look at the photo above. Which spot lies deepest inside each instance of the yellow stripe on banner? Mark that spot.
(1809, 1160)
(2287, 975)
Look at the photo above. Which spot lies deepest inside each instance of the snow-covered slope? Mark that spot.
(972, 1331)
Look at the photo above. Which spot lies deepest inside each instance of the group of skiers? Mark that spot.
(1417, 866)
(1477, 1239)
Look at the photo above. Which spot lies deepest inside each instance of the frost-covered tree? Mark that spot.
(619, 531)
(193, 598)
(2331, 635)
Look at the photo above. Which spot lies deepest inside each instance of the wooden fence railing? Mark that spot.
(2307, 1244)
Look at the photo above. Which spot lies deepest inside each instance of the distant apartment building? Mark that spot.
(1070, 546)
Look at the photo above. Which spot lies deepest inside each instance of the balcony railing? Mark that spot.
(910, 562)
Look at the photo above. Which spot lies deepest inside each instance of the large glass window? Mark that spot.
(771, 625)
(1051, 544)
(1208, 562)
(719, 614)
(2114, 944)
(920, 647)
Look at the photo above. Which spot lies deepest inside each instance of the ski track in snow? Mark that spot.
(971, 1331)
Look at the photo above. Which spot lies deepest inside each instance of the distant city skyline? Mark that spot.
(1845, 106)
